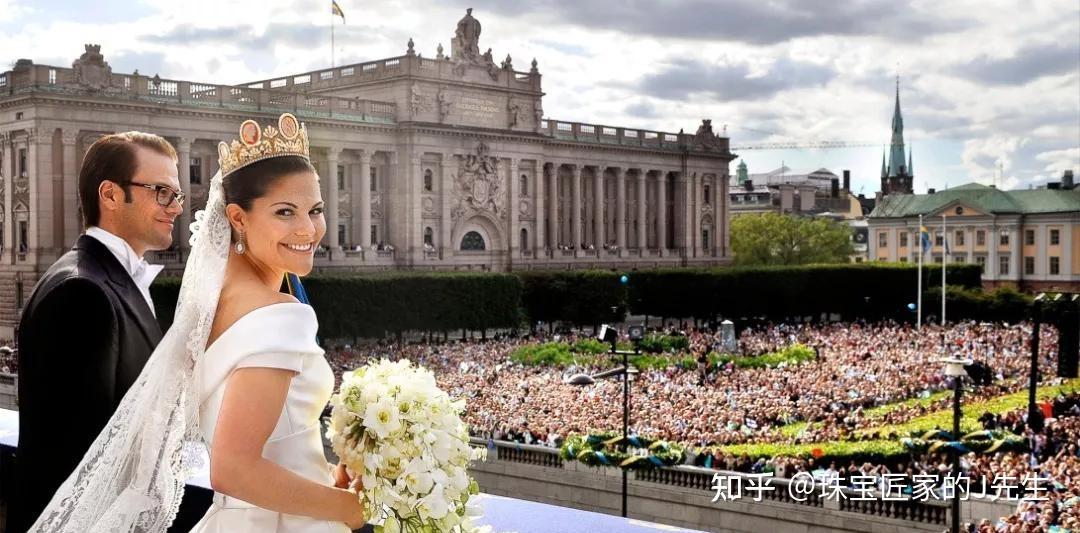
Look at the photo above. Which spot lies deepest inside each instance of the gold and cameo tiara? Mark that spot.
(256, 143)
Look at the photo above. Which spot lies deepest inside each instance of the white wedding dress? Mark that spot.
(276, 336)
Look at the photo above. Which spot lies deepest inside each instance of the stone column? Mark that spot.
(620, 208)
(553, 207)
(514, 191)
(183, 151)
(331, 238)
(598, 208)
(1066, 270)
(72, 220)
(1016, 252)
(642, 223)
(661, 211)
(970, 242)
(35, 214)
(7, 170)
(575, 209)
(684, 214)
(415, 221)
(993, 240)
(539, 182)
(446, 190)
(365, 200)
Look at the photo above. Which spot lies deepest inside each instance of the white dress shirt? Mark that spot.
(141, 272)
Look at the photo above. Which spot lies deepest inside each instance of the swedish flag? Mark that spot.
(336, 9)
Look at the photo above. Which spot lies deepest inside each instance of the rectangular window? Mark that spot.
(882, 239)
(341, 235)
(21, 171)
(981, 261)
(18, 294)
(1029, 237)
(959, 238)
(195, 170)
(903, 259)
(1055, 237)
(374, 182)
(938, 238)
(937, 259)
(52, 76)
(959, 259)
(1029, 265)
(22, 242)
(980, 238)
(1055, 265)
(903, 239)
(1004, 237)
(1003, 265)
(374, 234)
(341, 177)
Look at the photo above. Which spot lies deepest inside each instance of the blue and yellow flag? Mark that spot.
(336, 9)
(924, 239)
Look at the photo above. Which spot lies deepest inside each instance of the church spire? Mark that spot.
(896, 149)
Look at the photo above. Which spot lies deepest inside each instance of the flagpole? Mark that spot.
(944, 260)
(918, 291)
(332, 15)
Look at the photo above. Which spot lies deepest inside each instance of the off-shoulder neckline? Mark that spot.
(246, 315)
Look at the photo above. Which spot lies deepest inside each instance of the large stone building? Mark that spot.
(1028, 239)
(446, 162)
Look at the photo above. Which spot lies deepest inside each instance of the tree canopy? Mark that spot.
(778, 239)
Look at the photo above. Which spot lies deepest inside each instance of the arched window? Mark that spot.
(705, 238)
(472, 242)
(523, 242)
(429, 237)
(524, 185)
(428, 181)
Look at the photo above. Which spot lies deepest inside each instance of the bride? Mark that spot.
(239, 369)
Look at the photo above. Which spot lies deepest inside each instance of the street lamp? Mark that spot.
(1034, 415)
(628, 373)
(954, 368)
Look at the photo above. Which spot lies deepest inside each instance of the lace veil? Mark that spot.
(132, 477)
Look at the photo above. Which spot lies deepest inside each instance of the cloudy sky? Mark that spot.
(990, 89)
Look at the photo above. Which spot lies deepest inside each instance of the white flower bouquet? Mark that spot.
(393, 427)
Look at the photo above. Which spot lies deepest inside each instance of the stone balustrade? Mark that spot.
(682, 496)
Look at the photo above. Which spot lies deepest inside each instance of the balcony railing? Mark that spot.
(253, 97)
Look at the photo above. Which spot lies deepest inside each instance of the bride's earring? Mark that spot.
(240, 247)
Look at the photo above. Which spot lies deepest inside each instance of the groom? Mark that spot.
(89, 326)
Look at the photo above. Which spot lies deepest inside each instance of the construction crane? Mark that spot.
(800, 145)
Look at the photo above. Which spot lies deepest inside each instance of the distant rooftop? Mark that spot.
(981, 197)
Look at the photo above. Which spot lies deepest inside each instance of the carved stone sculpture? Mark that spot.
(477, 185)
(91, 70)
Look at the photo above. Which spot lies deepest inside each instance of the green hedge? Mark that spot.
(865, 290)
(371, 305)
(375, 305)
(582, 298)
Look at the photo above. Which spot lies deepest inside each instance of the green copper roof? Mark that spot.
(981, 197)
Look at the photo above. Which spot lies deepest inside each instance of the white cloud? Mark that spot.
(1058, 161)
(962, 115)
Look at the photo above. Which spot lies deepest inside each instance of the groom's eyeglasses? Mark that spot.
(165, 194)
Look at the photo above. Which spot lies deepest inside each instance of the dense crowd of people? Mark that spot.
(857, 366)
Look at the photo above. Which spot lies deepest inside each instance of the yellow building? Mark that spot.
(1029, 239)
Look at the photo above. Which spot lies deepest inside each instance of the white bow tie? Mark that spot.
(144, 274)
